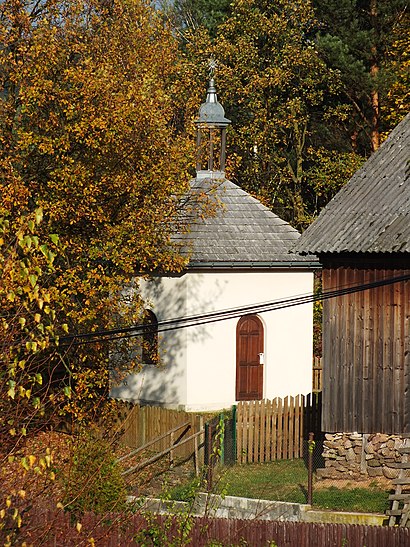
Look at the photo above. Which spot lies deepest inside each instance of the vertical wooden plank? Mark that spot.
(286, 427)
(152, 418)
(280, 422)
(291, 428)
(128, 437)
(268, 430)
(328, 360)
(274, 430)
(388, 358)
(378, 334)
(250, 416)
(405, 426)
(138, 426)
(358, 318)
(347, 347)
(256, 429)
(142, 424)
(343, 373)
(398, 354)
(370, 350)
(148, 419)
(296, 442)
(263, 438)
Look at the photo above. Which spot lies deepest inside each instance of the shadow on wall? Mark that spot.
(171, 298)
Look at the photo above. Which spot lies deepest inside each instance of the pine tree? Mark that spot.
(355, 38)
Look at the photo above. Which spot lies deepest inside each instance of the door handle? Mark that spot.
(261, 358)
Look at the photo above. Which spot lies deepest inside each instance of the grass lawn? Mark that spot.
(286, 480)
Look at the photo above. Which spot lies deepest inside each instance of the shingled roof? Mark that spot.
(243, 234)
(371, 214)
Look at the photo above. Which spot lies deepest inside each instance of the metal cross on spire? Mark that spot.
(212, 67)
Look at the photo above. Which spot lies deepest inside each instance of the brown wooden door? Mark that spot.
(249, 370)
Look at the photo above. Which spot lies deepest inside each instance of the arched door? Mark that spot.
(249, 362)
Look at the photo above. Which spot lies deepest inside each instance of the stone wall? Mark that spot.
(359, 456)
(232, 507)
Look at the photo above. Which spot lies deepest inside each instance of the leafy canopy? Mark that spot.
(93, 131)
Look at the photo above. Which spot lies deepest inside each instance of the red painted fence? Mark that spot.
(53, 528)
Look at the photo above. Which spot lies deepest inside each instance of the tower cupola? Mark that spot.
(211, 134)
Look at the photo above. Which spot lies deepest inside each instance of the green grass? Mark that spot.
(286, 480)
(369, 500)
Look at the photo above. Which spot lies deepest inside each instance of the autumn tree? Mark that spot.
(28, 321)
(277, 91)
(310, 87)
(397, 100)
(91, 131)
(94, 149)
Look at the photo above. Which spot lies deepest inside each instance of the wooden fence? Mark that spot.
(273, 430)
(265, 430)
(143, 424)
(52, 527)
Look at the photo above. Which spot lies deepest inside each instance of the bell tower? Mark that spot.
(211, 134)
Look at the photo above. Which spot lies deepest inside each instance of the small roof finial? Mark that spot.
(211, 111)
(212, 67)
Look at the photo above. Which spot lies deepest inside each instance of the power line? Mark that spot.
(221, 315)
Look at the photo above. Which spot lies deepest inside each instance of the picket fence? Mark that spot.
(265, 430)
(278, 429)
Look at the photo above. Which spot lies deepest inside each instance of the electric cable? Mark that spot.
(221, 315)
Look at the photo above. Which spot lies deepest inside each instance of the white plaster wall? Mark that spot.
(166, 384)
(211, 350)
(199, 363)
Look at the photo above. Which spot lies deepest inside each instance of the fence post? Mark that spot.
(311, 446)
(234, 433)
(208, 442)
(196, 457)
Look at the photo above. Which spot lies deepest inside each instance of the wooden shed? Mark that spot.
(362, 237)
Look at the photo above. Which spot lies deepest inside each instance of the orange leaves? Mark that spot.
(96, 132)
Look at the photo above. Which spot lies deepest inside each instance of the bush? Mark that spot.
(186, 492)
(94, 482)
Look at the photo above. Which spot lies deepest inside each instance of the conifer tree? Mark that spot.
(355, 38)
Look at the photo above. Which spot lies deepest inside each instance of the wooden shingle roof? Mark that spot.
(243, 234)
(371, 214)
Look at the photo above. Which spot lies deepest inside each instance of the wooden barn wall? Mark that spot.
(366, 353)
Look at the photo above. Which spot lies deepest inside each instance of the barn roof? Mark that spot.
(243, 233)
(371, 214)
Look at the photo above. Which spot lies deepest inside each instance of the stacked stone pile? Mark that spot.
(357, 456)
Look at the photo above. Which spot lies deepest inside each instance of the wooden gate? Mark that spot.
(277, 429)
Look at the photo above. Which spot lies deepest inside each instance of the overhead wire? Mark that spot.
(110, 335)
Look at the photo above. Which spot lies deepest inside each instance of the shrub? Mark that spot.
(94, 482)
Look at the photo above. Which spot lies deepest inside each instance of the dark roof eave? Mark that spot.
(245, 265)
